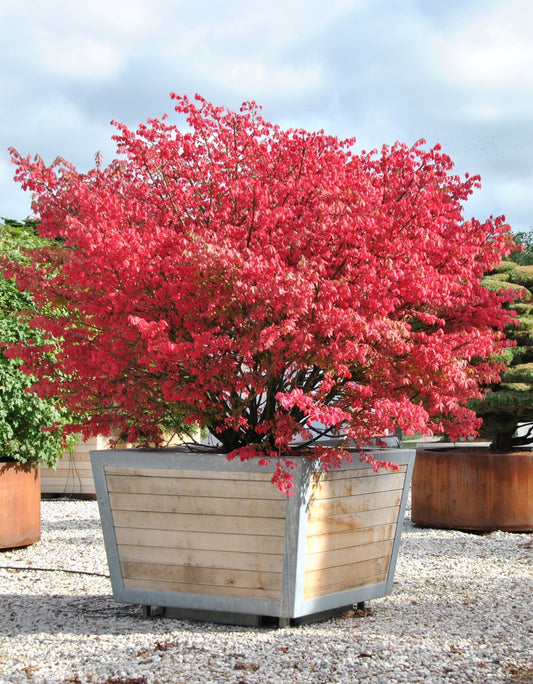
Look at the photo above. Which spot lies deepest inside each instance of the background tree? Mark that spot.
(523, 256)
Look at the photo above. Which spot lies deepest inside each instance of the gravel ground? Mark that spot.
(461, 611)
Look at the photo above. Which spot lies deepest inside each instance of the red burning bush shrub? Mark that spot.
(261, 282)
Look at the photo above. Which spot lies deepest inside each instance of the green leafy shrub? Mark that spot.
(25, 419)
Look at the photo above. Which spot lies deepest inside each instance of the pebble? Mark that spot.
(461, 610)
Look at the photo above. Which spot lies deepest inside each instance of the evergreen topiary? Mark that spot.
(510, 403)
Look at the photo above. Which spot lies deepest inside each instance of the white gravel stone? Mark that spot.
(461, 611)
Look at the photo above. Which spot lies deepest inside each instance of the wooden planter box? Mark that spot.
(73, 475)
(209, 538)
(20, 505)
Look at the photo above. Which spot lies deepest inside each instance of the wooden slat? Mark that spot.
(331, 488)
(257, 476)
(351, 576)
(72, 473)
(78, 482)
(206, 505)
(350, 538)
(217, 577)
(182, 473)
(70, 477)
(69, 467)
(153, 520)
(351, 521)
(371, 580)
(75, 461)
(349, 473)
(204, 486)
(331, 559)
(205, 589)
(202, 558)
(353, 504)
(216, 541)
(82, 449)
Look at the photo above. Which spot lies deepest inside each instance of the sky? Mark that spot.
(455, 72)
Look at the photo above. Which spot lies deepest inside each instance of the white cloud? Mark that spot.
(116, 18)
(253, 49)
(77, 57)
(453, 72)
(494, 49)
(83, 39)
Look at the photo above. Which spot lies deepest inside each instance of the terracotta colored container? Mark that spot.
(20, 505)
(471, 488)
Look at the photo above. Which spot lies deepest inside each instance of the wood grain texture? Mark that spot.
(351, 526)
(339, 557)
(195, 532)
(206, 484)
(190, 576)
(351, 521)
(353, 537)
(154, 520)
(345, 577)
(187, 539)
(206, 505)
(217, 584)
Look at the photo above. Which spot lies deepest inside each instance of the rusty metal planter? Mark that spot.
(20, 505)
(471, 488)
(209, 538)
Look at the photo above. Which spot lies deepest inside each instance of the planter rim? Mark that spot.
(441, 446)
(479, 449)
(294, 452)
(198, 459)
(18, 464)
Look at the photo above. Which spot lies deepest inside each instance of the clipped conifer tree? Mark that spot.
(509, 403)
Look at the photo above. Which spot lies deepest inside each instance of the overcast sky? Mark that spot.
(458, 72)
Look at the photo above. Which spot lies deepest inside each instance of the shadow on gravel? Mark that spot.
(86, 615)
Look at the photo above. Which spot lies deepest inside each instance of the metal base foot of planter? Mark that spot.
(214, 616)
(241, 619)
(213, 539)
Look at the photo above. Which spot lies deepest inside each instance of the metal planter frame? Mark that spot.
(162, 476)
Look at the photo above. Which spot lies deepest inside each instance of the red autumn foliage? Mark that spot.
(264, 282)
